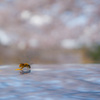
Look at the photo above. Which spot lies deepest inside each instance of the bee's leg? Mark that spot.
(29, 66)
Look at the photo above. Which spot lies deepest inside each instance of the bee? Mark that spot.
(23, 65)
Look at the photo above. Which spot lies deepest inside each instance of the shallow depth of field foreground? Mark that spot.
(51, 82)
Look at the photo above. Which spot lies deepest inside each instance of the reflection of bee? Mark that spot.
(23, 65)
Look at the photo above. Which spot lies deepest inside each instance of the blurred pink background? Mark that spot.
(48, 31)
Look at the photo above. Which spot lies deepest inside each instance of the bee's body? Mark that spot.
(21, 66)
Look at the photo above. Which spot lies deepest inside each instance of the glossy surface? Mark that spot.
(51, 82)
